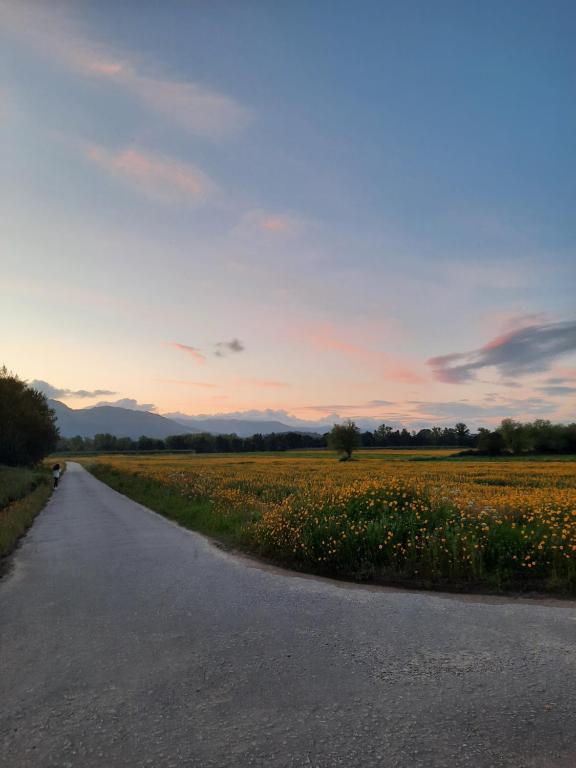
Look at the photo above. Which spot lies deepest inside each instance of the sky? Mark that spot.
(304, 210)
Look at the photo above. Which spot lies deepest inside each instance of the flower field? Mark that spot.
(467, 523)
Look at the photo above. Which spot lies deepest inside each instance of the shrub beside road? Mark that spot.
(23, 493)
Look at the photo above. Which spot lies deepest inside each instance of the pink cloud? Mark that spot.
(276, 223)
(265, 223)
(197, 109)
(106, 68)
(263, 383)
(192, 351)
(324, 338)
(157, 176)
(395, 370)
(511, 323)
(187, 383)
(570, 373)
(388, 367)
(442, 370)
(497, 342)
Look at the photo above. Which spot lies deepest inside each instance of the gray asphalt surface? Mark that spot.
(127, 641)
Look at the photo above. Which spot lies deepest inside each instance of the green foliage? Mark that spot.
(203, 442)
(403, 536)
(516, 436)
(28, 429)
(197, 513)
(386, 436)
(539, 436)
(490, 443)
(150, 444)
(17, 482)
(344, 438)
(23, 493)
(462, 433)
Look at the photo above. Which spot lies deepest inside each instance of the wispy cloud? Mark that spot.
(52, 34)
(327, 337)
(335, 409)
(557, 390)
(263, 383)
(530, 349)
(188, 383)
(222, 348)
(276, 223)
(413, 414)
(187, 349)
(51, 391)
(269, 223)
(130, 403)
(566, 376)
(492, 412)
(268, 414)
(156, 176)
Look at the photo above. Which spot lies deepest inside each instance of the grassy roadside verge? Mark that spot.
(23, 494)
(196, 514)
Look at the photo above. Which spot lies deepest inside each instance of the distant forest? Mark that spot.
(511, 436)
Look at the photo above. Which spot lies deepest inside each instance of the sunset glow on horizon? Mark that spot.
(299, 211)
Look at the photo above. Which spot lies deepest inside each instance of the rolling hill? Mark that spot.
(120, 422)
(125, 422)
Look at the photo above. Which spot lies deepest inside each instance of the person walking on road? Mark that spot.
(56, 474)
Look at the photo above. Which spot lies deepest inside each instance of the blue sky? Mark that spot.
(349, 189)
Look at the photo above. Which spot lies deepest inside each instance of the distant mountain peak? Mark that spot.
(121, 422)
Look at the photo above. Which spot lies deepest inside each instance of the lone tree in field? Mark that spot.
(28, 429)
(344, 438)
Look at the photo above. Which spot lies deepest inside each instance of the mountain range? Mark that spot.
(121, 422)
(125, 422)
(242, 427)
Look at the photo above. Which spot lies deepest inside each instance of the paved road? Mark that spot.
(127, 641)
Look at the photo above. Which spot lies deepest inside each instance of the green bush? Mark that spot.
(23, 493)
(28, 429)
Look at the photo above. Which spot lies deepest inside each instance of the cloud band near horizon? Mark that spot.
(54, 392)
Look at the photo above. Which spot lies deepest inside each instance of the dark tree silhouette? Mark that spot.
(491, 443)
(28, 429)
(462, 433)
(344, 438)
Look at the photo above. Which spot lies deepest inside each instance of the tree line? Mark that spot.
(512, 437)
(515, 437)
(383, 436)
(29, 432)
(203, 442)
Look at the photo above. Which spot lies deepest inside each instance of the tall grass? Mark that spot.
(195, 513)
(23, 493)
